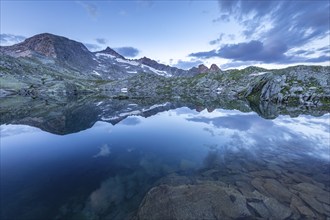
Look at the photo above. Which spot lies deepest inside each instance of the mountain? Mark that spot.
(172, 71)
(49, 48)
(65, 54)
(110, 52)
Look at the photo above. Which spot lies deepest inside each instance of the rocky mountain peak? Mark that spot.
(202, 68)
(112, 52)
(63, 50)
(148, 61)
(42, 43)
(214, 68)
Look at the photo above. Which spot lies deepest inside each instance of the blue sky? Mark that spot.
(232, 34)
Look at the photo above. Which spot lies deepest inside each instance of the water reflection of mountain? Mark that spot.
(80, 113)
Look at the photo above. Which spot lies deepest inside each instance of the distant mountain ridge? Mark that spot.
(105, 64)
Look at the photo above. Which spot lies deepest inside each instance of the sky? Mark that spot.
(231, 34)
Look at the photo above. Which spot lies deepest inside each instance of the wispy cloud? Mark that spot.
(187, 64)
(10, 39)
(218, 40)
(92, 47)
(91, 8)
(104, 151)
(127, 51)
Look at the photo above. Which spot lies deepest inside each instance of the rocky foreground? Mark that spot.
(270, 189)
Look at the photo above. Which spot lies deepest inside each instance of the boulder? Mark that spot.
(202, 201)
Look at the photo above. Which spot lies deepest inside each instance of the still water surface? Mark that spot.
(104, 172)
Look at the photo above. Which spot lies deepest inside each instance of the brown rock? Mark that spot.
(258, 184)
(298, 205)
(260, 208)
(277, 210)
(312, 202)
(214, 68)
(263, 173)
(313, 191)
(277, 190)
(203, 201)
(202, 68)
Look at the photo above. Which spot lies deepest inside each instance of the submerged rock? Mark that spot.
(202, 201)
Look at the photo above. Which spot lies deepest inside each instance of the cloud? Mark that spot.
(272, 52)
(127, 51)
(218, 40)
(254, 51)
(272, 28)
(104, 151)
(12, 130)
(205, 54)
(101, 40)
(92, 47)
(131, 121)
(326, 48)
(10, 39)
(234, 121)
(224, 17)
(236, 64)
(91, 8)
(303, 52)
(318, 59)
(187, 64)
(222, 37)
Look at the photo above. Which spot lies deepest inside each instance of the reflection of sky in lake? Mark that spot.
(43, 172)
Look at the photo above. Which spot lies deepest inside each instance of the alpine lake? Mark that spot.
(163, 158)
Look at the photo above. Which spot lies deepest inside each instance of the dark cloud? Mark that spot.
(298, 52)
(275, 27)
(101, 40)
(92, 47)
(187, 64)
(91, 9)
(318, 59)
(326, 48)
(304, 52)
(206, 54)
(273, 52)
(254, 51)
(251, 51)
(10, 39)
(127, 51)
(218, 40)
